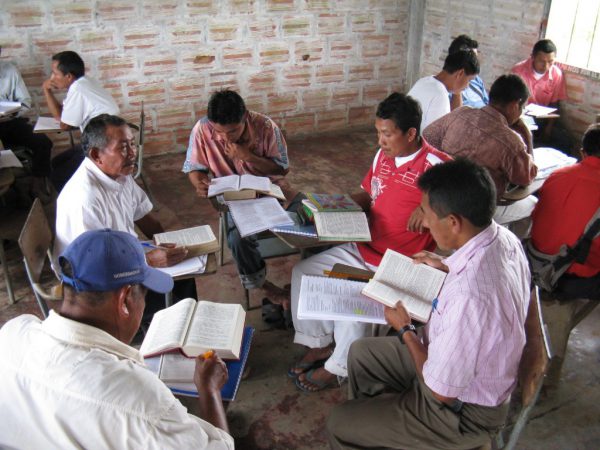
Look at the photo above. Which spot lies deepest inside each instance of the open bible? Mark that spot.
(243, 187)
(198, 240)
(196, 327)
(398, 278)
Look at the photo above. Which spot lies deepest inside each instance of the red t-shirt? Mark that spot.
(567, 201)
(394, 197)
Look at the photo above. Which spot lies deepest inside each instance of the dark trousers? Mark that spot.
(19, 133)
(155, 301)
(391, 408)
(250, 264)
(571, 287)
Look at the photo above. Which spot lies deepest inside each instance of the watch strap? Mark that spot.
(404, 329)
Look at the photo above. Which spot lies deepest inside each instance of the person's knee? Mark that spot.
(336, 422)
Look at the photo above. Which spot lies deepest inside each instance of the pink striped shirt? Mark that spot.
(476, 334)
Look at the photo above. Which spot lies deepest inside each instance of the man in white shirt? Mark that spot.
(103, 194)
(72, 381)
(432, 92)
(85, 98)
(16, 131)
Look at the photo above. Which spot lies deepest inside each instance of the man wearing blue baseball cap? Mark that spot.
(73, 380)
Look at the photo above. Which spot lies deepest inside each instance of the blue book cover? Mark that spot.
(235, 369)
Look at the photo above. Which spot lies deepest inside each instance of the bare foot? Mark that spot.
(276, 294)
(316, 380)
(310, 360)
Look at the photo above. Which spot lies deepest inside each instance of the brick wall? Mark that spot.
(506, 31)
(312, 65)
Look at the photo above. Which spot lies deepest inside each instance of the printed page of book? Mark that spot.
(248, 181)
(168, 328)
(219, 185)
(275, 191)
(46, 124)
(398, 278)
(343, 226)
(218, 327)
(549, 159)
(389, 295)
(7, 107)
(9, 159)
(538, 110)
(194, 265)
(253, 216)
(325, 298)
(187, 237)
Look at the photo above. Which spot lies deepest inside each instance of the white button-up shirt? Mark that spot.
(64, 384)
(85, 100)
(91, 200)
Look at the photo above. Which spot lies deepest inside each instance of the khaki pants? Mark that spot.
(390, 407)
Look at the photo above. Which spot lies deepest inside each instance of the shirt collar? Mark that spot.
(548, 73)
(106, 181)
(459, 259)
(83, 335)
(489, 109)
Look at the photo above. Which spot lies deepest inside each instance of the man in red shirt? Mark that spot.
(391, 199)
(547, 87)
(567, 201)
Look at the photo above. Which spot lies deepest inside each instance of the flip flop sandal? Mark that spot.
(302, 367)
(272, 314)
(316, 385)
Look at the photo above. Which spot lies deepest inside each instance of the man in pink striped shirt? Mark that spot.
(450, 389)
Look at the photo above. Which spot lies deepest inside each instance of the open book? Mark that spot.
(254, 216)
(198, 240)
(398, 278)
(243, 187)
(177, 371)
(196, 327)
(324, 298)
(44, 124)
(340, 225)
(7, 108)
(9, 159)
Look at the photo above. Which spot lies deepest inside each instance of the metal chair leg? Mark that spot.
(9, 287)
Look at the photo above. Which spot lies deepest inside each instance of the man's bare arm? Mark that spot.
(363, 199)
(54, 105)
(200, 181)
(209, 377)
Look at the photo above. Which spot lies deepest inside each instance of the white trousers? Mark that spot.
(515, 211)
(321, 333)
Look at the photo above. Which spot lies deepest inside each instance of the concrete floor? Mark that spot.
(269, 412)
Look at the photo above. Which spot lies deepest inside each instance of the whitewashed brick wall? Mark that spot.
(312, 65)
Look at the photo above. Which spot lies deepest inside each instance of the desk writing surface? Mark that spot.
(301, 242)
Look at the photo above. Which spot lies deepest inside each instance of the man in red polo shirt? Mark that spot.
(567, 201)
(547, 87)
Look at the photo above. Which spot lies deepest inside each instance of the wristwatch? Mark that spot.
(404, 329)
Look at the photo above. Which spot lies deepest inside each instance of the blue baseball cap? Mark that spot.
(105, 260)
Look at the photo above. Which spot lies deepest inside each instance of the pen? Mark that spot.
(149, 245)
(208, 354)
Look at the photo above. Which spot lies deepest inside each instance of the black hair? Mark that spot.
(544, 46)
(226, 107)
(462, 42)
(401, 109)
(591, 140)
(460, 187)
(507, 89)
(462, 59)
(94, 133)
(70, 63)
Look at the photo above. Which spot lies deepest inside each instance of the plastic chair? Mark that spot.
(36, 241)
(10, 227)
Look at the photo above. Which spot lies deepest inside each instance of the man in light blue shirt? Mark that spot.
(474, 95)
(16, 131)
